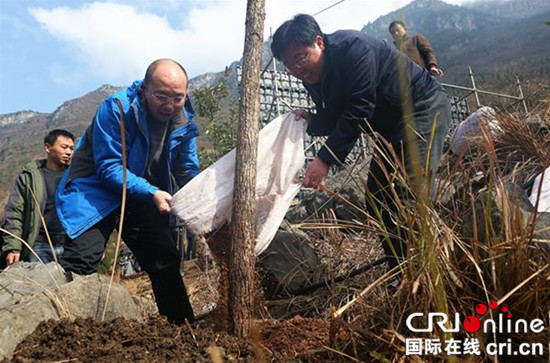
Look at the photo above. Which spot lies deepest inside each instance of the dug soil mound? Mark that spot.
(122, 340)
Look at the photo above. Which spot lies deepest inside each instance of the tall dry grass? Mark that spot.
(476, 244)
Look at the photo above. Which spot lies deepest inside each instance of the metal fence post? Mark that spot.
(474, 88)
(521, 95)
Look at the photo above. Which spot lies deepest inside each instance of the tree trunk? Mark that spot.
(243, 219)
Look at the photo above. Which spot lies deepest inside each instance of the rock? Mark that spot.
(289, 264)
(512, 199)
(348, 204)
(33, 292)
(25, 279)
(85, 298)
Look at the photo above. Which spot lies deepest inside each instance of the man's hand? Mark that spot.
(12, 257)
(163, 201)
(316, 174)
(436, 71)
(301, 113)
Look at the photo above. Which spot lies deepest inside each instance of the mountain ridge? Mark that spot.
(499, 40)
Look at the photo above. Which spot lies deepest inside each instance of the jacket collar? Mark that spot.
(35, 165)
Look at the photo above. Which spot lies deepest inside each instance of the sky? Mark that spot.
(52, 51)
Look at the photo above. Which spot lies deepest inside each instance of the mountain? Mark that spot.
(510, 9)
(22, 133)
(500, 53)
(433, 18)
(498, 39)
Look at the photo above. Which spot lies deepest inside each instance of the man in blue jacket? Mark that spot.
(359, 83)
(161, 153)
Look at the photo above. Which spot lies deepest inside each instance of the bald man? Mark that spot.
(161, 154)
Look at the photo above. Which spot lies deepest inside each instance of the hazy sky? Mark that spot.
(55, 50)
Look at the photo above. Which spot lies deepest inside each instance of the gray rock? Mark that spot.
(85, 297)
(347, 204)
(32, 292)
(514, 199)
(25, 279)
(289, 264)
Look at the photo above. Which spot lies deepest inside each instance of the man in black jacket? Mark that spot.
(359, 83)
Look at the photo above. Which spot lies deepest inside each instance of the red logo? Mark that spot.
(472, 324)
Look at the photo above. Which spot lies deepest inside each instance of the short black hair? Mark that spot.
(300, 30)
(52, 136)
(153, 67)
(394, 23)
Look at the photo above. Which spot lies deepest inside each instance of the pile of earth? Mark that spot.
(278, 335)
(157, 340)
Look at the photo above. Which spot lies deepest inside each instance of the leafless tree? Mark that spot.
(243, 225)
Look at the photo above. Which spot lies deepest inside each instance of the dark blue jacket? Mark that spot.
(361, 84)
(92, 186)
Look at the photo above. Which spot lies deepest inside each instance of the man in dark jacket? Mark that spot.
(360, 83)
(161, 154)
(33, 196)
(417, 47)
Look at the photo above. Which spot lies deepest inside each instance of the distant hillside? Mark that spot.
(501, 52)
(511, 9)
(22, 133)
(433, 18)
(498, 39)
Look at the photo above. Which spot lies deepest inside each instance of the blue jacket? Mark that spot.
(361, 84)
(92, 186)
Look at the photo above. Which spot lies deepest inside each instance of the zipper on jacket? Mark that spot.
(323, 90)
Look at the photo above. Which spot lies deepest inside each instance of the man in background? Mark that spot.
(417, 47)
(33, 196)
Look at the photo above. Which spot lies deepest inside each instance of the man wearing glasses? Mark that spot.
(359, 84)
(161, 152)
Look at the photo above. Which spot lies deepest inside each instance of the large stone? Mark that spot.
(506, 201)
(32, 292)
(25, 279)
(85, 297)
(289, 264)
(348, 203)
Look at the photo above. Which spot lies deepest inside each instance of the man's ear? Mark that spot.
(320, 41)
(47, 148)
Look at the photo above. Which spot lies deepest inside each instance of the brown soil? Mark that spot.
(124, 340)
(294, 338)
(84, 340)
(290, 338)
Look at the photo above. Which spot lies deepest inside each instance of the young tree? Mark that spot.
(243, 226)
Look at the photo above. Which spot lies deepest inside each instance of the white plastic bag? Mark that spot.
(471, 127)
(205, 203)
(544, 199)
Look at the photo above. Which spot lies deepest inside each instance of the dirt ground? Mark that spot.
(157, 340)
(279, 335)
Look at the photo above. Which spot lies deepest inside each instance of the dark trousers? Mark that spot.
(149, 235)
(191, 249)
(381, 201)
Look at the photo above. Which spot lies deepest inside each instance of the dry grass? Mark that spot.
(452, 270)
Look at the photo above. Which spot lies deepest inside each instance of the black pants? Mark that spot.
(148, 234)
(381, 203)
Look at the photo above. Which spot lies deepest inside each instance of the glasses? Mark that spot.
(300, 63)
(164, 98)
